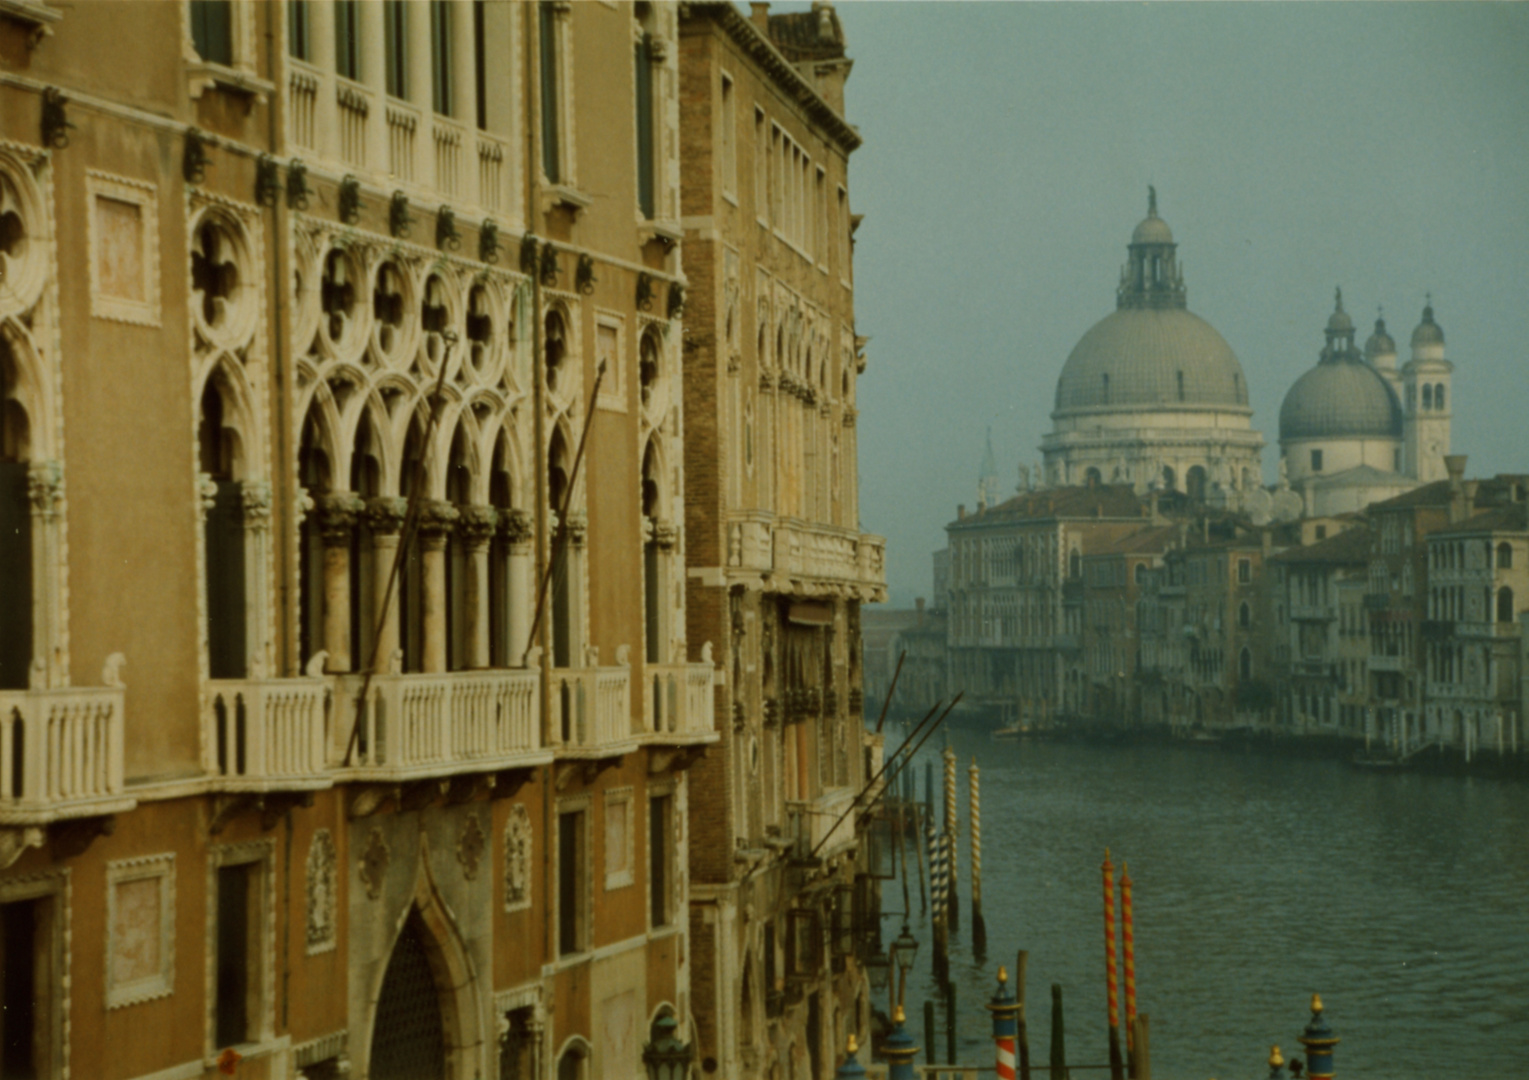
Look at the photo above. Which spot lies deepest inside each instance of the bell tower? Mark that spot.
(1427, 400)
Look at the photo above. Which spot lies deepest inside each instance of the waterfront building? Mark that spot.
(1152, 394)
(1113, 577)
(1318, 655)
(915, 637)
(1346, 437)
(1016, 593)
(275, 273)
(777, 566)
(1478, 586)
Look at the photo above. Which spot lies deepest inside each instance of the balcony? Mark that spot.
(61, 755)
(592, 711)
(421, 726)
(817, 556)
(1311, 613)
(403, 128)
(679, 705)
(492, 155)
(354, 103)
(451, 141)
(303, 106)
(267, 734)
(821, 828)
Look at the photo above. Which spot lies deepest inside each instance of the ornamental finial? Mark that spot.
(1276, 1059)
(852, 1045)
(1151, 201)
(1338, 298)
(1316, 1003)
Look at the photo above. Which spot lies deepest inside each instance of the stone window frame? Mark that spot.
(613, 388)
(55, 885)
(148, 988)
(620, 879)
(574, 804)
(261, 853)
(667, 788)
(242, 75)
(144, 195)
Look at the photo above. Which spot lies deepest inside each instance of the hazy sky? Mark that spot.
(1295, 147)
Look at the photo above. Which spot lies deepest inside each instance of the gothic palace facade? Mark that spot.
(375, 663)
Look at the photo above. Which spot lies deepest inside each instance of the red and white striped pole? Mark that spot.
(1005, 1009)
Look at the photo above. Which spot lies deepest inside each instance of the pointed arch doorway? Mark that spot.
(409, 1034)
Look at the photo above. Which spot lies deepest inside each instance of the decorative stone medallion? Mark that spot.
(470, 846)
(373, 866)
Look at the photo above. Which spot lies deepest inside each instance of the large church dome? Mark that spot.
(1152, 353)
(1138, 358)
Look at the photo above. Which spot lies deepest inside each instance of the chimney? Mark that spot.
(961, 512)
(759, 15)
(1454, 464)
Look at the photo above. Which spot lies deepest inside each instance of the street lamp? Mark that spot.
(904, 950)
(666, 1057)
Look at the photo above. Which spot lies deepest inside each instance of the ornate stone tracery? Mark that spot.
(518, 839)
(323, 892)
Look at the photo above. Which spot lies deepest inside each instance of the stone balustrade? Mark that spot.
(418, 726)
(60, 754)
(267, 734)
(592, 708)
(828, 555)
(680, 700)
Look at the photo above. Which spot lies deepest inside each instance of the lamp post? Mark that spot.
(666, 1058)
(904, 952)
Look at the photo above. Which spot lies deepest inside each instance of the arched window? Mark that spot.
(1194, 483)
(366, 562)
(648, 367)
(1505, 556)
(461, 574)
(218, 454)
(1075, 564)
(1438, 397)
(555, 347)
(1504, 605)
(15, 530)
(1245, 665)
(573, 1065)
(1092, 476)
(504, 591)
(1427, 397)
(1245, 615)
(652, 591)
(411, 582)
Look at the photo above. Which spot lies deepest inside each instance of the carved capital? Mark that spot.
(337, 515)
(255, 497)
(515, 527)
(665, 534)
(767, 382)
(207, 491)
(477, 525)
(578, 527)
(45, 487)
(436, 520)
(385, 514)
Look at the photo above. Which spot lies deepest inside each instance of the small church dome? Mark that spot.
(1340, 399)
(1380, 343)
(1428, 332)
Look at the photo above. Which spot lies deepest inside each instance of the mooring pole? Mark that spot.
(953, 911)
(1005, 1009)
(929, 1031)
(1022, 963)
(950, 1022)
(1128, 938)
(1112, 985)
(1141, 1057)
(899, 1049)
(1058, 1035)
(979, 927)
(1319, 1040)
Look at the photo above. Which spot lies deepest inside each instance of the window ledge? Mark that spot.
(566, 195)
(32, 14)
(668, 232)
(202, 74)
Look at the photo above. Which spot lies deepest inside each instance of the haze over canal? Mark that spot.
(1401, 899)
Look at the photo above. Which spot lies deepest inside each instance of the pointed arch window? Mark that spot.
(223, 535)
(1427, 397)
(15, 530)
(1438, 397)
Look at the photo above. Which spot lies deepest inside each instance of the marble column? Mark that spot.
(50, 649)
(476, 529)
(384, 518)
(337, 514)
(255, 499)
(515, 527)
(436, 521)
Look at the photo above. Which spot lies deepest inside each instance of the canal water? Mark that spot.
(1402, 899)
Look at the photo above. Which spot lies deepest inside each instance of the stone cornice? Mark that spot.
(764, 53)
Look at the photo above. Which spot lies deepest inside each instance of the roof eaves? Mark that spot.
(764, 52)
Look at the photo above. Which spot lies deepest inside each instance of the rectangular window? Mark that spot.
(646, 187)
(777, 176)
(347, 38)
(20, 939)
(15, 574)
(395, 32)
(572, 921)
(820, 225)
(843, 226)
(238, 953)
(728, 139)
(1244, 571)
(659, 858)
(618, 838)
(761, 166)
(480, 63)
(299, 35)
(440, 58)
(212, 30)
(547, 23)
(1316, 461)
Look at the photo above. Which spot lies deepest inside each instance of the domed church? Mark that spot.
(1354, 429)
(1152, 395)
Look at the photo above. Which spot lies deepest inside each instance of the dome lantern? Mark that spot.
(1428, 332)
(1380, 344)
(1152, 278)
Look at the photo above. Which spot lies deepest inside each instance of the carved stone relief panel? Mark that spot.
(140, 929)
(323, 892)
(517, 859)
